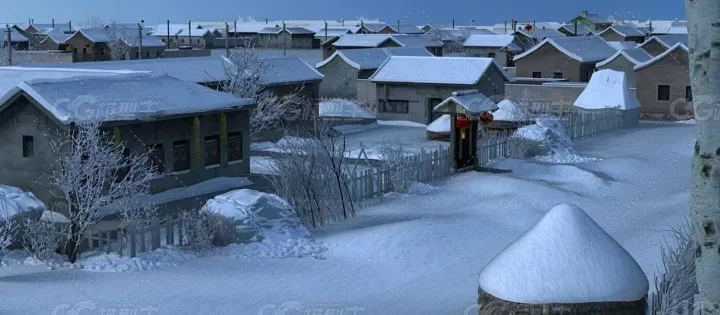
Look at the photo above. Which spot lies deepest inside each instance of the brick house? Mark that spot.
(663, 84)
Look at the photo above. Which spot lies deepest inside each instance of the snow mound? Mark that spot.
(440, 125)
(508, 111)
(564, 258)
(102, 262)
(14, 201)
(355, 128)
(344, 108)
(263, 165)
(418, 188)
(687, 122)
(265, 223)
(607, 89)
(552, 139)
(401, 123)
(52, 216)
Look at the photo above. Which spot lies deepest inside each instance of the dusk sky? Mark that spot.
(420, 12)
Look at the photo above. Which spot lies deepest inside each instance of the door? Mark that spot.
(432, 102)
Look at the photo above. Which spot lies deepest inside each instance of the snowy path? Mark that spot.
(409, 254)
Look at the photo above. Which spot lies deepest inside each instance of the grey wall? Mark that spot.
(340, 79)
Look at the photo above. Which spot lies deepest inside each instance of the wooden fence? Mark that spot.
(577, 124)
(427, 166)
(129, 243)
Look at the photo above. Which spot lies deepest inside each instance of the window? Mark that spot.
(663, 93)
(28, 146)
(198, 41)
(182, 41)
(163, 40)
(147, 54)
(394, 106)
(157, 54)
(212, 150)
(235, 146)
(181, 155)
(156, 155)
(84, 51)
(688, 94)
(491, 55)
(557, 75)
(537, 75)
(75, 51)
(137, 55)
(102, 51)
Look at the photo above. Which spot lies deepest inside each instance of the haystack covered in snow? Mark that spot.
(609, 89)
(17, 205)
(564, 263)
(439, 129)
(509, 116)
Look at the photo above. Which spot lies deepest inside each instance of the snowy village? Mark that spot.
(360, 166)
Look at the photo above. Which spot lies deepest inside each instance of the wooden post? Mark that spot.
(131, 237)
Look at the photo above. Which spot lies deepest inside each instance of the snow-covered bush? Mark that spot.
(675, 283)
(43, 238)
(548, 141)
(198, 229)
(399, 163)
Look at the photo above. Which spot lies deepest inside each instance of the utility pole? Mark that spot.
(326, 30)
(453, 25)
(284, 39)
(576, 34)
(140, 34)
(190, 33)
(70, 26)
(168, 34)
(398, 29)
(227, 40)
(235, 34)
(9, 45)
(53, 23)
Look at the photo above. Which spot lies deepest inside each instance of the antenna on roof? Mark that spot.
(53, 23)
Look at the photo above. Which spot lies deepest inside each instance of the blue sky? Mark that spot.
(420, 12)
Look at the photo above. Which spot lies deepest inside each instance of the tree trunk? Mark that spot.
(704, 40)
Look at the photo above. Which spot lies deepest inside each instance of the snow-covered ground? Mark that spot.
(418, 254)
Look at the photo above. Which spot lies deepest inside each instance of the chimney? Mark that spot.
(453, 25)
(70, 26)
(53, 23)
(584, 14)
(168, 34)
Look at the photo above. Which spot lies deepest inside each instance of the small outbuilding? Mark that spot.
(565, 264)
(609, 89)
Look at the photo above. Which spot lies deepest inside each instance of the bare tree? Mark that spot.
(399, 164)
(42, 238)
(118, 38)
(7, 229)
(312, 175)
(703, 36)
(198, 229)
(94, 176)
(675, 284)
(245, 70)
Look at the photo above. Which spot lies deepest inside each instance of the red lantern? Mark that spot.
(486, 117)
(462, 122)
(528, 27)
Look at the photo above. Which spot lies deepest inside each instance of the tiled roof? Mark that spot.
(434, 70)
(580, 48)
(372, 58)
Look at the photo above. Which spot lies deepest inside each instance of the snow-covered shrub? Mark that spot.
(400, 166)
(140, 217)
(675, 283)
(43, 238)
(198, 229)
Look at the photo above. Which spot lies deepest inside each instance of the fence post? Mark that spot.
(131, 237)
(169, 239)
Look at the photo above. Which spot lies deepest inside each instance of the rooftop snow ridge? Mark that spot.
(465, 92)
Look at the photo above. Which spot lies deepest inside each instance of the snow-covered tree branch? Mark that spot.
(703, 35)
(7, 229)
(312, 175)
(95, 175)
(115, 34)
(244, 68)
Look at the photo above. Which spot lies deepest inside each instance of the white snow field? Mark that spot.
(406, 254)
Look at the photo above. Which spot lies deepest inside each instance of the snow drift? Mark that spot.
(553, 144)
(14, 202)
(342, 108)
(264, 220)
(440, 125)
(607, 89)
(564, 258)
(509, 111)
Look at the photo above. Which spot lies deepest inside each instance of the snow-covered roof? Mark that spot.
(470, 102)
(564, 258)
(607, 89)
(15, 36)
(372, 58)
(668, 40)
(542, 33)
(662, 56)
(14, 201)
(251, 28)
(582, 30)
(364, 40)
(580, 48)
(94, 34)
(56, 35)
(498, 41)
(440, 125)
(290, 30)
(416, 40)
(332, 32)
(406, 29)
(635, 55)
(625, 31)
(162, 30)
(508, 111)
(622, 45)
(147, 41)
(434, 70)
(374, 27)
(153, 97)
(282, 70)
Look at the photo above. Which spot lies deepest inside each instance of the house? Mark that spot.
(400, 29)
(54, 40)
(575, 30)
(625, 60)
(356, 41)
(528, 39)
(176, 35)
(370, 28)
(622, 33)
(502, 48)
(658, 44)
(663, 84)
(623, 45)
(346, 67)
(572, 58)
(593, 21)
(326, 34)
(17, 40)
(38, 28)
(96, 44)
(409, 87)
(287, 37)
(143, 111)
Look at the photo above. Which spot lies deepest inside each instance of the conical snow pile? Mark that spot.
(565, 258)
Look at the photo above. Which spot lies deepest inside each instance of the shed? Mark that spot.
(609, 89)
(565, 263)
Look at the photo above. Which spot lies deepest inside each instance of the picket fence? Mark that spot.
(577, 124)
(427, 166)
(129, 243)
